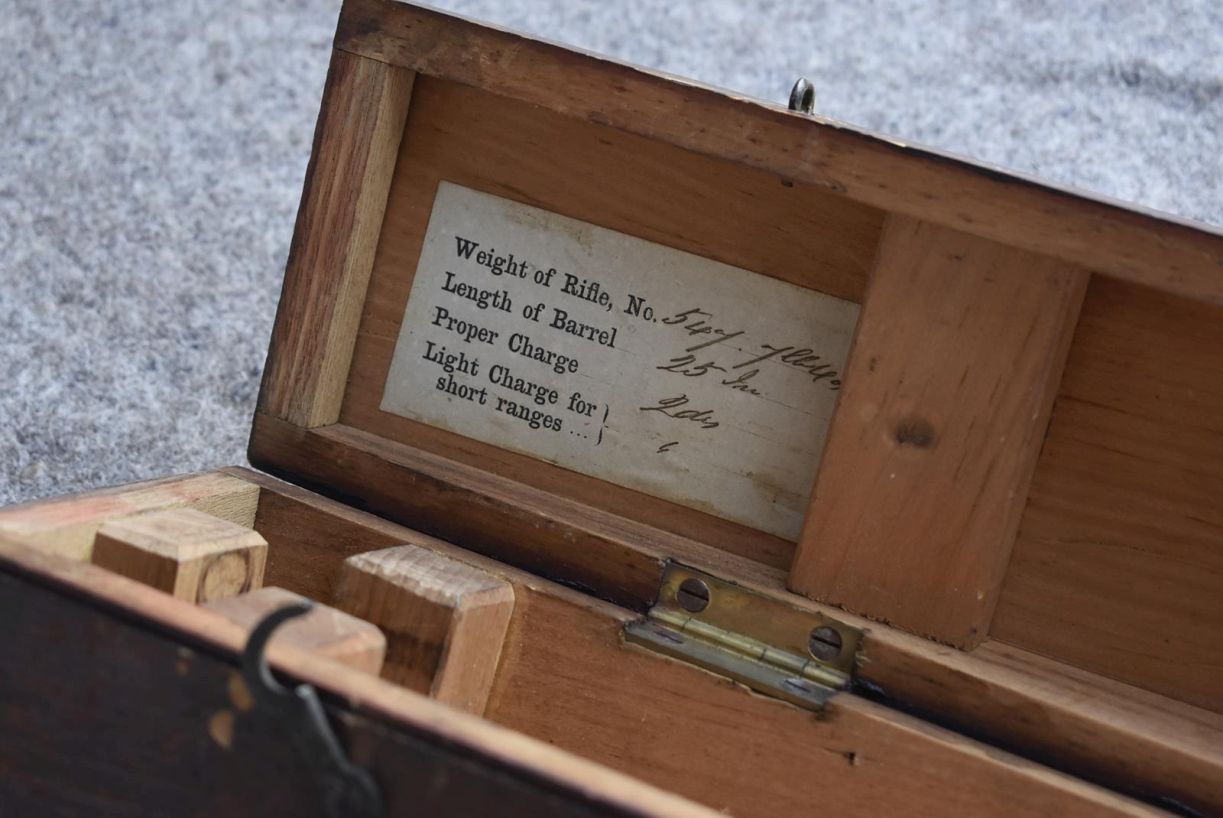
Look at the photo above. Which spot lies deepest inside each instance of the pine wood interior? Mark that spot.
(566, 676)
(1118, 566)
(768, 224)
(1135, 421)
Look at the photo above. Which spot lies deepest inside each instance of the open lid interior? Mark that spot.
(586, 319)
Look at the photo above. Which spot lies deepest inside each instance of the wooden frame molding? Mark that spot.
(1121, 241)
(356, 142)
(958, 355)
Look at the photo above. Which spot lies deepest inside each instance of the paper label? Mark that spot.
(645, 366)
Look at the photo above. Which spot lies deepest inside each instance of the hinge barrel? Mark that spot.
(762, 642)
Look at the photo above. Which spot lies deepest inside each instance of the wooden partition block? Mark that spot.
(959, 351)
(184, 552)
(445, 621)
(324, 631)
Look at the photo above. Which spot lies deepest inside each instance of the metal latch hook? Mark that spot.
(348, 791)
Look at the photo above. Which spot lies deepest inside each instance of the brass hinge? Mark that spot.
(764, 643)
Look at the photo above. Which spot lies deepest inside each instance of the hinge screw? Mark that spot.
(825, 643)
(693, 595)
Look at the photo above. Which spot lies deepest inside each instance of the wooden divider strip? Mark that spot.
(949, 386)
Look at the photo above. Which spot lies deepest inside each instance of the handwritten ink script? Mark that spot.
(652, 368)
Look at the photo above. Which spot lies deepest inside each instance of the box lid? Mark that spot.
(588, 319)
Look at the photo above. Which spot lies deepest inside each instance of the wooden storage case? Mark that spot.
(1012, 548)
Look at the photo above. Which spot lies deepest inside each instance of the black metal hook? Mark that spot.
(348, 791)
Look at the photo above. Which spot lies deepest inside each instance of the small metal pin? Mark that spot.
(669, 635)
(802, 97)
(801, 685)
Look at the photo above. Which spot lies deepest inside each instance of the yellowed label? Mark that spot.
(649, 367)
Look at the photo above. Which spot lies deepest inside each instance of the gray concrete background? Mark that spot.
(152, 153)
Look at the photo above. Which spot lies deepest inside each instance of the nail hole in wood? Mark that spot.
(915, 432)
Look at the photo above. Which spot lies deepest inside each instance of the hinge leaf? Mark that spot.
(774, 648)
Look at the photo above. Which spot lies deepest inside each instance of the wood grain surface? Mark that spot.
(338, 224)
(947, 395)
(1118, 566)
(701, 736)
(619, 565)
(445, 620)
(1106, 731)
(325, 631)
(1116, 240)
(186, 553)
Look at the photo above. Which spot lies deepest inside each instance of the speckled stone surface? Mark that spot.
(152, 153)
